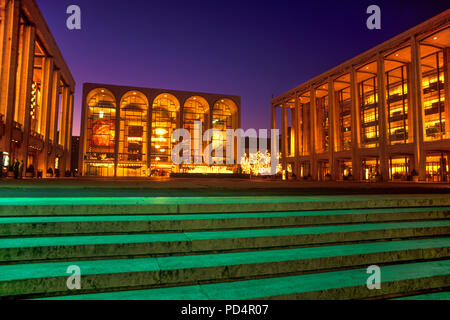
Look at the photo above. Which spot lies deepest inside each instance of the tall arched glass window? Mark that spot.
(100, 134)
(196, 109)
(223, 116)
(165, 114)
(133, 135)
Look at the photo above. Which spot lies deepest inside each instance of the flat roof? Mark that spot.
(43, 33)
(423, 29)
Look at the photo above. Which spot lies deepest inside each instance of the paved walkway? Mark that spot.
(165, 187)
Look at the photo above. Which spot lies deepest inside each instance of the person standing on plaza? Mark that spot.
(15, 168)
(21, 169)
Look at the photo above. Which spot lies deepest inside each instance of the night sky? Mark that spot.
(253, 49)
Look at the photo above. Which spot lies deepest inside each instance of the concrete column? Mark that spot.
(417, 107)
(51, 140)
(313, 134)
(306, 132)
(383, 119)
(299, 128)
(297, 136)
(293, 135)
(284, 137)
(117, 137)
(356, 127)
(47, 86)
(83, 134)
(410, 120)
(68, 150)
(447, 90)
(332, 131)
(26, 80)
(64, 117)
(9, 70)
(150, 133)
(273, 121)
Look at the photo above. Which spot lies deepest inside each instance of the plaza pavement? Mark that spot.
(188, 187)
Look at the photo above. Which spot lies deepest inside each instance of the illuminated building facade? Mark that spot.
(126, 131)
(36, 91)
(383, 115)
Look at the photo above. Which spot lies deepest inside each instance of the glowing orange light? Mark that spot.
(161, 131)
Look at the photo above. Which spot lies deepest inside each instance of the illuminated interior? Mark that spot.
(222, 119)
(388, 110)
(344, 111)
(128, 142)
(368, 105)
(305, 168)
(370, 168)
(165, 119)
(36, 89)
(101, 125)
(290, 105)
(399, 168)
(324, 169)
(133, 135)
(437, 168)
(345, 169)
(304, 124)
(433, 85)
(196, 109)
(397, 66)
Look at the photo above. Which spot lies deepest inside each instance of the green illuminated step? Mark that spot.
(430, 296)
(42, 248)
(348, 284)
(187, 205)
(42, 278)
(23, 226)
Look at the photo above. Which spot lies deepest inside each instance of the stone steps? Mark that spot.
(66, 247)
(445, 295)
(78, 225)
(62, 206)
(44, 278)
(345, 284)
(224, 247)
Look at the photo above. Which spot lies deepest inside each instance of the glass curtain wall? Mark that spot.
(165, 115)
(397, 104)
(195, 109)
(369, 112)
(222, 119)
(433, 86)
(101, 128)
(133, 135)
(344, 113)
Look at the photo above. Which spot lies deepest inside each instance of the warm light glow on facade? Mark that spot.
(130, 134)
(388, 111)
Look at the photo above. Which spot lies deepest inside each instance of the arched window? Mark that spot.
(223, 117)
(133, 135)
(100, 133)
(196, 109)
(165, 116)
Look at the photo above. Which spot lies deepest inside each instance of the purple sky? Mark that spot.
(253, 49)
